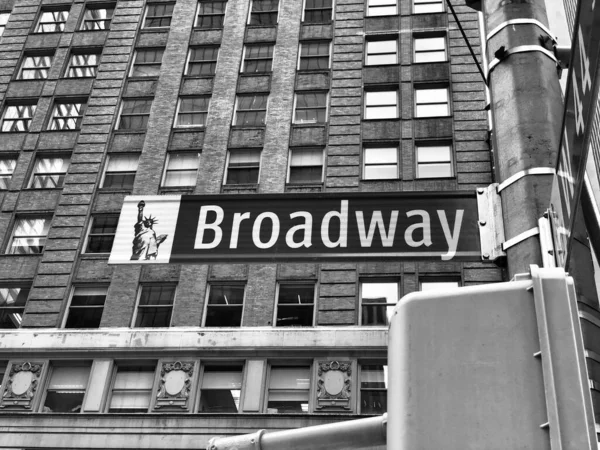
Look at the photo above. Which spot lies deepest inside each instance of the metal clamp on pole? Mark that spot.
(491, 225)
(523, 173)
(520, 237)
(524, 21)
(520, 49)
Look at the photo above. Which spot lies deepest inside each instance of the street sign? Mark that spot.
(580, 105)
(285, 227)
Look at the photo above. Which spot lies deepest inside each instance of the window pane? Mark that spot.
(382, 11)
(424, 8)
(294, 378)
(244, 157)
(380, 293)
(374, 376)
(374, 60)
(122, 163)
(13, 296)
(297, 293)
(307, 157)
(430, 56)
(226, 295)
(433, 154)
(134, 378)
(157, 295)
(380, 172)
(381, 155)
(434, 43)
(69, 378)
(431, 96)
(386, 112)
(374, 47)
(381, 98)
(434, 170)
(439, 285)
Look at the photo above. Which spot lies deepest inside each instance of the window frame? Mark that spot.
(96, 7)
(4, 308)
(378, 280)
(27, 121)
(450, 163)
(421, 36)
(289, 165)
(248, 24)
(53, 365)
(30, 184)
(89, 233)
(304, 9)
(428, 2)
(105, 171)
(138, 65)
(377, 362)
(74, 288)
(59, 24)
(370, 41)
(236, 109)
(197, 16)
(19, 217)
(373, 146)
(91, 68)
(220, 364)
(3, 175)
(227, 166)
(381, 105)
(315, 287)
(118, 126)
(329, 56)
(178, 111)
(209, 287)
(245, 59)
(289, 364)
(45, 69)
(78, 118)
(166, 170)
(372, 8)
(416, 105)
(202, 61)
(130, 363)
(145, 17)
(316, 122)
(136, 310)
(2, 28)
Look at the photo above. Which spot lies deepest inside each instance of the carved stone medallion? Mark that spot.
(334, 385)
(21, 386)
(174, 385)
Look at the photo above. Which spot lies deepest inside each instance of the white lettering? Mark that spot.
(274, 230)
(584, 64)
(342, 215)
(451, 238)
(425, 225)
(202, 225)
(306, 227)
(387, 238)
(578, 104)
(235, 228)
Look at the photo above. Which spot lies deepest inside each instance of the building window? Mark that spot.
(432, 103)
(17, 118)
(317, 11)
(224, 306)
(66, 388)
(289, 389)
(52, 21)
(120, 172)
(220, 389)
(381, 105)
(155, 306)
(132, 389)
(12, 306)
(211, 14)
(306, 166)
(181, 169)
(380, 163)
(258, 58)
(202, 61)
(382, 52)
(83, 65)
(7, 167)
(428, 6)
(87, 305)
(35, 67)
(49, 172)
(192, 111)
(430, 49)
(434, 161)
(381, 7)
(4, 16)
(311, 107)
(243, 166)
(3, 366)
(147, 63)
(97, 18)
(251, 110)
(295, 305)
(67, 116)
(438, 284)
(377, 301)
(373, 388)
(29, 235)
(264, 12)
(102, 234)
(314, 56)
(158, 15)
(135, 114)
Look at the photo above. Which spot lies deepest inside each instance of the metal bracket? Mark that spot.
(520, 237)
(546, 242)
(520, 22)
(491, 225)
(523, 173)
(520, 49)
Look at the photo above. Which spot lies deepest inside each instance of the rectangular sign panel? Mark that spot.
(288, 227)
(580, 103)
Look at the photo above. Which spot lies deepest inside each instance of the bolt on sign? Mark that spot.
(580, 105)
(286, 227)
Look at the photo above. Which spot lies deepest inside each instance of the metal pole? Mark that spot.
(349, 435)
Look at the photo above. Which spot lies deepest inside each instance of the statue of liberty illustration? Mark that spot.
(145, 241)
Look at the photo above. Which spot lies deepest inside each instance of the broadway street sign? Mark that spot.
(286, 227)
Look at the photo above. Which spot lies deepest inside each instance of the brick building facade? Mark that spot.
(106, 99)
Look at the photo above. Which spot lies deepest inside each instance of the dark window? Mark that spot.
(17, 118)
(132, 389)
(7, 167)
(295, 305)
(120, 172)
(29, 235)
(264, 12)
(289, 389)
(225, 304)
(311, 107)
(202, 61)
(83, 65)
(35, 67)
(211, 14)
(52, 21)
(97, 18)
(182, 169)
(49, 172)
(251, 109)
(192, 111)
(258, 58)
(147, 63)
(243, 166)
(373, 389)
(155, 306)
(314, 55)
(158, 15)
(378, 300)
(220, 389)
(12, 306)
(67, 116)
(102, 234)
(66, 388)
(86, 307)
(306, 165)
(135, 114)
(317, 11)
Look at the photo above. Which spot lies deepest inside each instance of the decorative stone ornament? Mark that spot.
(174, 385)
(21, 386)
(334, 385)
